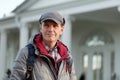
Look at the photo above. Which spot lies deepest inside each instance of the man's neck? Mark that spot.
(51, 45)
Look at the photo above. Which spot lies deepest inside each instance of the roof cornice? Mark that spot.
(24, 5)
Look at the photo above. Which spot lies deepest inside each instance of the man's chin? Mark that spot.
(51, 40)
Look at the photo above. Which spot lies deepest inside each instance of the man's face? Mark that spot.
(51, 31)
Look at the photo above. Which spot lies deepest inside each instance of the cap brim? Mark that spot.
(56, 21)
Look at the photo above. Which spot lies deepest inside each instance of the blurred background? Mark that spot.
(92, 33)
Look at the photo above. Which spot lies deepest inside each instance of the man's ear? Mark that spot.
(62, 29)
(40, 27)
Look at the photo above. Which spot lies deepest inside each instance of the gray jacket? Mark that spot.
(40, 72)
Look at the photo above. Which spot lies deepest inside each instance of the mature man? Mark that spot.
(52, 61)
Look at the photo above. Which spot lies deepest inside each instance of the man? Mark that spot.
(53, 58)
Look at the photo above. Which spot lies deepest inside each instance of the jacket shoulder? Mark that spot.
(22, 54)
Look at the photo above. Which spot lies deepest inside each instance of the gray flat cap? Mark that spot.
(54, 16)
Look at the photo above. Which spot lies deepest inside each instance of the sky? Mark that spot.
(6, 6)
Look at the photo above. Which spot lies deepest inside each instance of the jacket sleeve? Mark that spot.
(19, 67)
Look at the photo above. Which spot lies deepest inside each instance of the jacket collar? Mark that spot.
(62, 49)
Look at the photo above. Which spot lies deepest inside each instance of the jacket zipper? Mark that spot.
(51, 66)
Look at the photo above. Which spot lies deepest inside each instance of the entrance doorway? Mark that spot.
(98, 56)
(98, 63)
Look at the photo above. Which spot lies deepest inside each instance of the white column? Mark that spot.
(106, 65)
(24, 34)
(90, 66)
(117, 53)
(81, 63)
(67, 34)
(98, 71)
(3, 46)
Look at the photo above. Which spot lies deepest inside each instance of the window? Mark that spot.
(98, 38)
(97, 66)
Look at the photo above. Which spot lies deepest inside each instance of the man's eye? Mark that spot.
(55, 25)
(45, 25)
